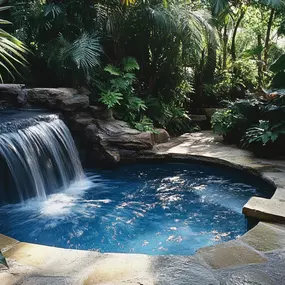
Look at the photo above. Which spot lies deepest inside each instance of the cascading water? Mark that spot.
(41, 156)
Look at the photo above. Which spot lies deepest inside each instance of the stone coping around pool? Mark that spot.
(257, 257)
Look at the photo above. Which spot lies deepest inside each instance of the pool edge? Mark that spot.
(251, 248)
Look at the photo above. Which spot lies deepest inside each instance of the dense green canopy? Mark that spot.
(187, 54)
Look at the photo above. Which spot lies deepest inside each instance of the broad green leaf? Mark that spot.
(279, 64)
(3, 260)
(112, 70)
(266, 138)
(130, 64)
(274, 136)
(278, 80)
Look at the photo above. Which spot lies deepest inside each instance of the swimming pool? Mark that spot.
(171, 208)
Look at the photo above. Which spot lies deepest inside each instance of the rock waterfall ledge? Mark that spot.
(100, 137)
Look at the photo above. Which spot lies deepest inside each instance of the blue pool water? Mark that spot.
(148, 208)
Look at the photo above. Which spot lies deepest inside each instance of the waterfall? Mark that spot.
(41, 157)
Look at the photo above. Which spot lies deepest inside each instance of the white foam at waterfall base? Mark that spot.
(61, 204)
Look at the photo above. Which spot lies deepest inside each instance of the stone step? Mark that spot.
(269, 210)
(229, 254)
(265, 237)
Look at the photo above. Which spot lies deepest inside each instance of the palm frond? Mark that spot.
(196, 30)
(274, 3)
(218, 5)
(113, 70)
(85, 52)
(101, 15)
(52, 9)
(56, 50)
(202, 20)
(11, 50)
(161, 17)
(130, 64)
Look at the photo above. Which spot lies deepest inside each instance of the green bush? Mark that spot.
(233, 121)
(257, 124)
(117, 91)
(264, 133)
(265, 139)
(145, 125)
(232, 84)
(228, 124)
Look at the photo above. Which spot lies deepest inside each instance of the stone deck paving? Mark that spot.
(256, 258)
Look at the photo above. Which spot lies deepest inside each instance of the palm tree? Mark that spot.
(274, 6)
(219, 5)
(225, 7)
(63, 36)
(11, 50)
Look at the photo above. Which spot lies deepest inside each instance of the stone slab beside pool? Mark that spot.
(258, 257)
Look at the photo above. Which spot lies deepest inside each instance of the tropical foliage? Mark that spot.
(186, 55)
(256, 124)
(11, 49)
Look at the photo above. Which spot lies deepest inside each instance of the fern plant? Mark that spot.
(145, 125)
(117, 91)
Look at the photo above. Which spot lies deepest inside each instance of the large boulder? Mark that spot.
(80, 120)
(101, 112)
(13, 95)
(74, 102)
(116, 140)
(64, 99)
(160, 136)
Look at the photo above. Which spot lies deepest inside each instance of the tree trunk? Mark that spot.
(210, 64)
(198, 97)
(267, 39)
(225, 47)
(259, 62)
(233, 47)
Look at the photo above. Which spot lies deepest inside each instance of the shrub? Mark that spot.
(264, 133)
(233, 121)
(232, 85)
(145, 125)
(117, 92)
(265, 139)
(228, 124)
(257, 123)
